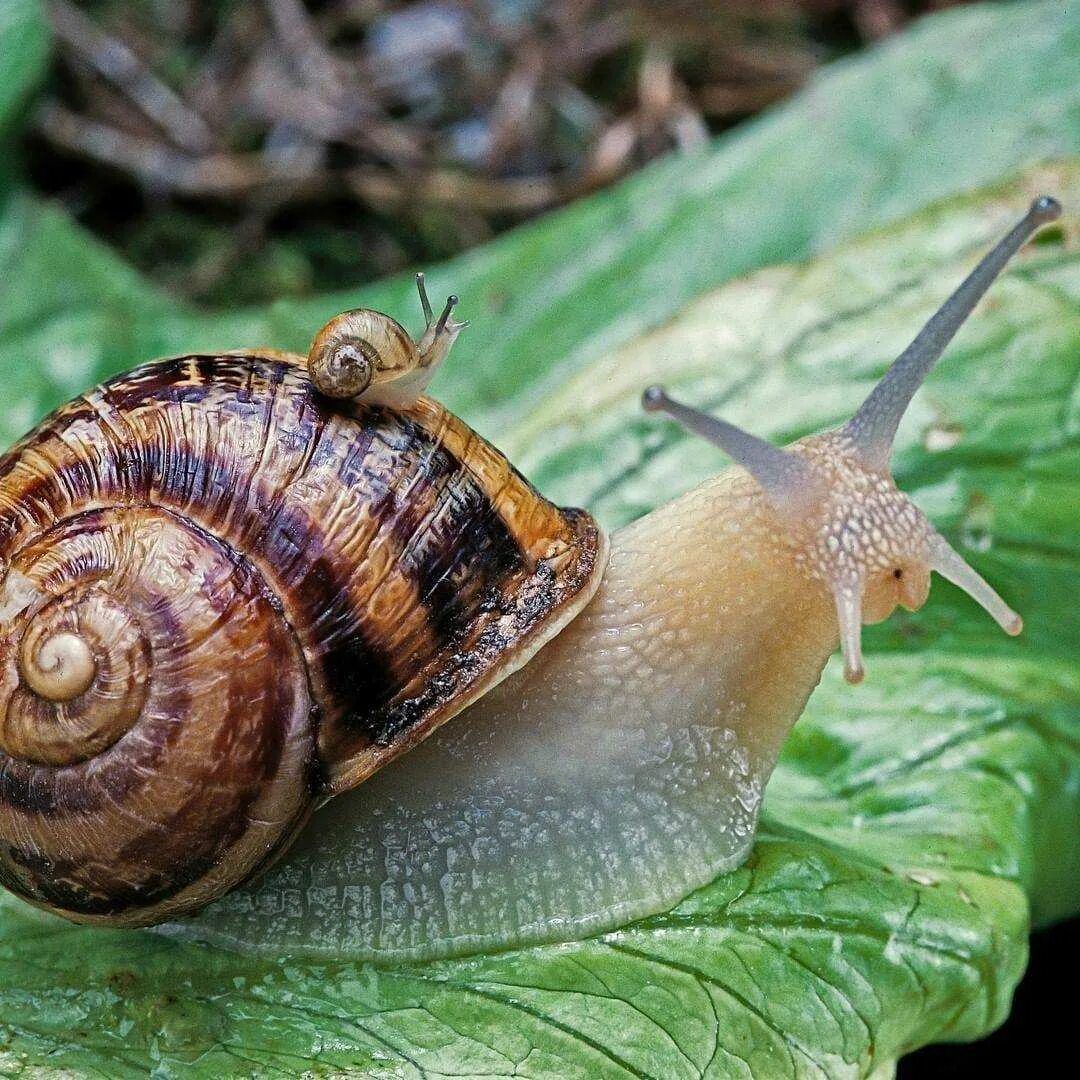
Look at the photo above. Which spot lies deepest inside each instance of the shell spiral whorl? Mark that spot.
(150, 694)
(58, 665)
(83, 662)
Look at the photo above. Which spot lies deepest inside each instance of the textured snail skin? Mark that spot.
(279, 595)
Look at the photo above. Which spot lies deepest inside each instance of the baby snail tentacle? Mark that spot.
(369, 357)
(834, 495)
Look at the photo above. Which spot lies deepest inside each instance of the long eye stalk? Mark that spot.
(873, 427)
(783, 477)
(425, 303)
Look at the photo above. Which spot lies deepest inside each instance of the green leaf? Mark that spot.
(916, 821)
(807, 962)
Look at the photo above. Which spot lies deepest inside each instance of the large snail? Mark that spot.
(233, 586)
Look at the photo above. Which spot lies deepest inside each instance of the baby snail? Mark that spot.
(234, 586)
(364, 353)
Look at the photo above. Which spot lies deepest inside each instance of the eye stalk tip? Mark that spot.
(1013, 626)
(1045, 209)
(425, 303)
(654, 399)
(444, 323)
(854, 675)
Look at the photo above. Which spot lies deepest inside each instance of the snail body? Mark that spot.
(353, 567)
(599, 783)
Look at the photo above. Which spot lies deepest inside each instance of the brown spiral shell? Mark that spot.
(223, 599)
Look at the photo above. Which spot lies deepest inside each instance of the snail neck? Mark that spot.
(703, 617)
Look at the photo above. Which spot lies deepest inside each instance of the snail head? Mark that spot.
(837, 507)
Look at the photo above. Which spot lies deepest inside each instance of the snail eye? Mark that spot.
(898, 573)
(344, 368)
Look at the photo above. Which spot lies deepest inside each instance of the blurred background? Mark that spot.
(241, 152)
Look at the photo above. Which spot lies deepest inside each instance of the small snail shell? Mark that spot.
(279, 594)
